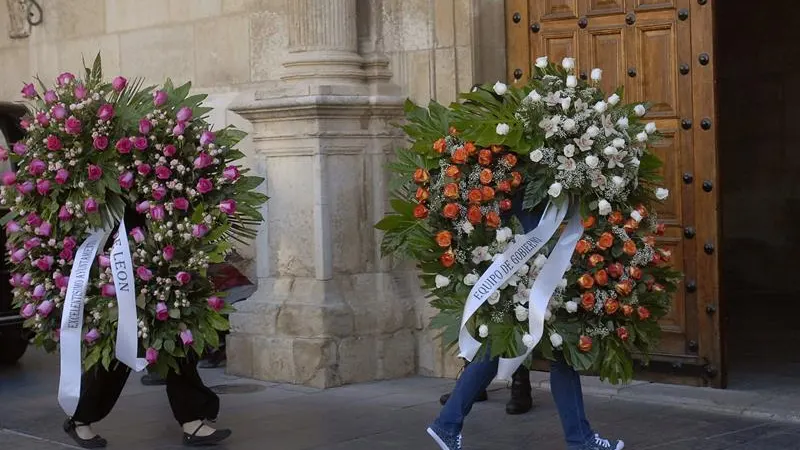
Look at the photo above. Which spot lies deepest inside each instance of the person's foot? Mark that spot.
(198, 434)
(216, 359)
(482, 397)
(445, 441)
(153, 379)
(83, 435)
(521, 393)
(598, 443)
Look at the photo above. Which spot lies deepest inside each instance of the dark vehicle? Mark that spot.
(13, 337)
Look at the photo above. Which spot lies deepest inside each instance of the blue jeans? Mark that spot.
(565, 383)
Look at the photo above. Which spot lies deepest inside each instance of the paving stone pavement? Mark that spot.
(372, 416)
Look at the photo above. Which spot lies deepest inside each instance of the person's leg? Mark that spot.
(482, 397)
(100, 390)
(521, 392)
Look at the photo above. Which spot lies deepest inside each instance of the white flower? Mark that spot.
(592, 131)
(521, 312)
(640, 110)
(600, 107)
(442, 281)
(571, 307)
(613, 100)
(636, 215)
(504, 234)
(568, 125)
(467, 228)
(470, 279)
(604, 207)
(500, 88)
(572, 81)
(618, 142)
(569, 151)
(584, 143)
(528, 341)
(610, 151)
(635, 162)
(618, 180)
(562, 284)
(523, 271)
(650, 128)
(537, 155)
(548, 315)
(642, 137)
(494, 298)
(483, 331)
(502, 129)
(555, 189)
(565, 103)
(566, 164)
(534, 96)
(662, 193)
(556, 340)
(597, 74)
(480, 254)
(592, 161)
(568, 63)
(539, 261)
(541, 62)
(622, 122)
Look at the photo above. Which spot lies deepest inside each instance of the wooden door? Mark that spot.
(660, 51)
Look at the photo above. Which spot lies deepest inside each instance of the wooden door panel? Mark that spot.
(560, 45)
(656, 63)
(596, 7)
(606, 50)
(560, 9)
(671, 211)
(641, 5)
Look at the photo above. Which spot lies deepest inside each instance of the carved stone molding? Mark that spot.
(19, 27)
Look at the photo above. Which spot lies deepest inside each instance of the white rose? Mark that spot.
(563, 283)
(568, 63)
(569, 151)
(640, 110)
(650, 128)
(494, 298)
(502, 129)
(572, 81)
(442, 281)
(483, 331)
(555, 189)
(523, 271)
(470, 279)
(662, 193)
(556, 340)
(600, 107)
(537, 156)
(571, 307)
(610, 151)
(592, 161)
(635, 161)
(548, 315)
(618, 180)
(604, 207)
(541, 62)
(568, 125)
(467, 228)
(528, 341)
(618, 142)
(642, 137)
(565, 103)
(521, 312)
(597, 74)
(500, 88)
(622, 122)
(503, 235)
(592, 131)
(534, 96)
(539, 261)
(613, 100)
(636, 215)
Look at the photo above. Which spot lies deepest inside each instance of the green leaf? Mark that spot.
(248, 183)
(169, 346)
(8, 217)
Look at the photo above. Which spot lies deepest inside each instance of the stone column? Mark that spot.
(327, 311)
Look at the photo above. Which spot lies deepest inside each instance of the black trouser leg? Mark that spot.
(189, 398)
(100, 390)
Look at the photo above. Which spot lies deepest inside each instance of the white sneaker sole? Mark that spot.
(620, 445)
(438, 440)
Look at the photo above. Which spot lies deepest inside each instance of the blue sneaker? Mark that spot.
(445, 441)
(598, 443)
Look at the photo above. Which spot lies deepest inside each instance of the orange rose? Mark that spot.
(444, 238)
(453, 131)
(583, 247)
(470, 148)
(516, 179)
(586, 281)
(629, 247)
(606, 241)
(585, 344)
(487, 193)
(643, 313)
(475, 196)
(624, 288)
(421, 176)
(615, 218)
(627, 310)
(451, 211)
(642, 210)
(595, 259)
(474, 215)
(447, 259)
(486, 176)
(587, 301)
(589, 222)
(420, 212)
(601, 277)
(451, 191)
(505, 204)
(510, 159)
(459, 156)
(611, 306)
(493, 220)
(622, 332)
(616, 270)
(440, 146)
(422, 194)
(650, 240)
(630, 226)
(635, 273)
(452, 172)
(496, 148)
(504, 186)
(661, 228)
(485, 157)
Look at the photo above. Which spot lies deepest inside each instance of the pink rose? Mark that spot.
(207, 137)
(126, 180)
(59, 112)
(169, 150)
(144, 169)
(108, 290)
(18, 256)
(32, 243)
(42, 119)
(140, 143)
(145, 126)
(15, 280)
(104, 261)
(216, 303)
(70, 243)
(62, 175)
(105, 112)
(228, 206)
(64, 214)
(28, 91)
(27, 280)
(151, 355)
(159, 192)
(37, 167)
(44, 229)
(163, 172)
(9, 178)
(138, 235)
(44, 263)
(143, 207)
(72, 125)
(124, 145)
(91, 336)
(203, 160)
(162, 313)
(90, 205)
(184, 114)
(199, 230)
(94, 172)
(81, 92)
(183, 278)
(158, 213)
(65, 78)
(62, 282)
(38, 292)
(19, 148)
(100, 142)
(53, 143)
(144, 273)
(204, 186)
(168, 253)
(50, 97)
(159, 98)
(24, 123)
(181, 204)
(119, 83)
(28, 311)
(186, 337)
(45, 308)
(25, 188)
(43, 187)
(33, 220)
(66, 255)
(179, 129)
(12, 227)
(231, 173)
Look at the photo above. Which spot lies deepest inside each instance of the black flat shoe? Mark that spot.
(192, 440)
(482, 397)
(95, 442)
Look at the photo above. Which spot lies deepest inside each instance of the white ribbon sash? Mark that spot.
(127, 345)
